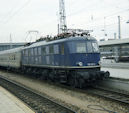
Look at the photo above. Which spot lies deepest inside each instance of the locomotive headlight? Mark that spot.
(79, 64)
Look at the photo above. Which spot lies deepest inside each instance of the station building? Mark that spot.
(6, 46)
(117, 49)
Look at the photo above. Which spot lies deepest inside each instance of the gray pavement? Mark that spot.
(10, 104)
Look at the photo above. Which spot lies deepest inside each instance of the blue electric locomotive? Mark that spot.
(74, 60)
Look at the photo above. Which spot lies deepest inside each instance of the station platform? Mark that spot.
(112, 64)
(117, 70)
(10, 104)
(117, 73)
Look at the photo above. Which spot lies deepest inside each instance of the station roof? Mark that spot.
(4, 44)
(114, 42)
(11, 50)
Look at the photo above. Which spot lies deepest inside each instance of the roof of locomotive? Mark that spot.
(36, 44)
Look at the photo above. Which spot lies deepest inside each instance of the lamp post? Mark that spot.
(119, 27)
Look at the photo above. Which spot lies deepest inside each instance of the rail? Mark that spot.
(110, 94)
(37, 102)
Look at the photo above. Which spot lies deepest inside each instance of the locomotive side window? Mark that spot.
(47, 49)
(81, 48)
(44, 50)
(32, 52)
(51, 50)
(56, 49)
(35, 51)
(62, 49)
(39, 51)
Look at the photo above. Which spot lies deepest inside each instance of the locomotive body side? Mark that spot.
(63, 54)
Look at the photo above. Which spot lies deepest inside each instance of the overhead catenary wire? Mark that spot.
(106, 16)
(16, 12)
(101, 25)
(8, 14)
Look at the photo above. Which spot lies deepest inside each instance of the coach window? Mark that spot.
(56, 49)
(29, 52)
(39, 59)
(62, 49)
(26, 52)
(51, 49)
(81, 47)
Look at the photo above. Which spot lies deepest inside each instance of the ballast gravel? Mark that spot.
(78, 101)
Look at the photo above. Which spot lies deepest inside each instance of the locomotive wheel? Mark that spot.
(74, 82)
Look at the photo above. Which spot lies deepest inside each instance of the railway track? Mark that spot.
(37, 102)
(110, 94)
(114, 95)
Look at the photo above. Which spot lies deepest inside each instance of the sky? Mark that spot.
(18, 17)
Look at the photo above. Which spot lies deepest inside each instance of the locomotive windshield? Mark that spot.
(84, 47)
(95, 47)
(81, 47)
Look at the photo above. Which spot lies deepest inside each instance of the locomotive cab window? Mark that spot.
(81, 47)
(89, 47)
(95, 47)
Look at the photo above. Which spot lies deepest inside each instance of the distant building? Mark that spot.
(6, 46)
(115, 49)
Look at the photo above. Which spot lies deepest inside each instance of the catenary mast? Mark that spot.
(62, 16)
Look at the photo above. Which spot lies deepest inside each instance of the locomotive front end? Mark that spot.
(85, 59)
